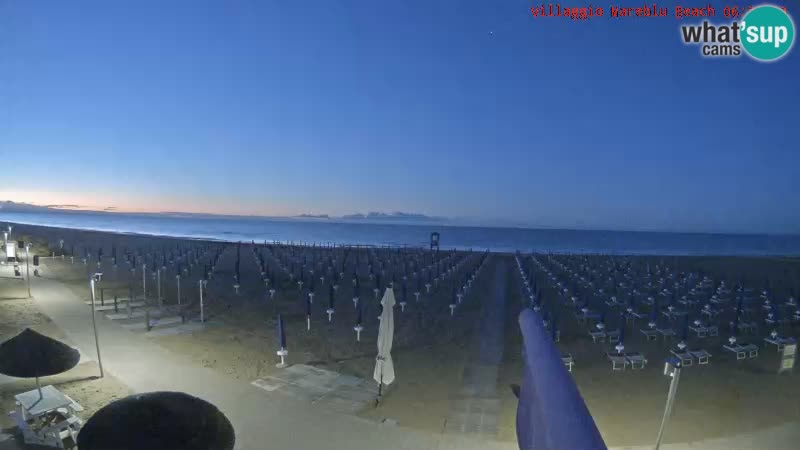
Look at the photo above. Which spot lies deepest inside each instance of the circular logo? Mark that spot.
(767, 33)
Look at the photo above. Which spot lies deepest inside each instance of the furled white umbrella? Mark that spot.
(384, 368)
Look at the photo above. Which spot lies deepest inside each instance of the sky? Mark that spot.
(464, 109)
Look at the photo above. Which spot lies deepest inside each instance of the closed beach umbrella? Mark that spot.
(654, 312)
(308, 312)
(281, 333)
(33, 355)
(359, 315)
(384, 368)
(158, 421)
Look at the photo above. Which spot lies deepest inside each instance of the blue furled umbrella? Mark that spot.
(359, 315)
(654, 313)
(554, 328)
(621, 338)
(331, 298)
(281, 332)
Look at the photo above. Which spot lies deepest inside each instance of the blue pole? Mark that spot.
(551, 413)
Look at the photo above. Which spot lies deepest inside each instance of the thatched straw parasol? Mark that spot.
(33, 355)
(158, 421)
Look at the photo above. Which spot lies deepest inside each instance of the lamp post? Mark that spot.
(202, 283)
(96, 277)
(28, 267)
(672, 368)
(158, 276)
(178, 279)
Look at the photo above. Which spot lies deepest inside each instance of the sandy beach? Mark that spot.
(431, 348)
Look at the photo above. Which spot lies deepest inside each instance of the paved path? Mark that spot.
(262, 420)
(476, 407)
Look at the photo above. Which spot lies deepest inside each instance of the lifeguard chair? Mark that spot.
(435, 241)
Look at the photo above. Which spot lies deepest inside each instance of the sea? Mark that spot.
(326, 232)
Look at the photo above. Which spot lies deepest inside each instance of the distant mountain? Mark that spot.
(370, 217)
(313, 216)
(9, 206)
(391, 217)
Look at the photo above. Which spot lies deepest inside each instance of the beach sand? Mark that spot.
(81, 383)
(723, 398)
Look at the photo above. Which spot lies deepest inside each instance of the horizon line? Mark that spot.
(390, 219)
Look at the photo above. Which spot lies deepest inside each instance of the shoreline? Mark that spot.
(495, 251)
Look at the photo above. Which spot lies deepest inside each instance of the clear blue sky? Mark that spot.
(335, 106)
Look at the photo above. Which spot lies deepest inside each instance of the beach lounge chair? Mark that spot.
(650, 333)
(612, 336)
(635, 359)
(666, 333)
(702, 356)
(742, 350)
(684, 355)
(700, 330)
(779, 342)
(618, 361)
(776, 320)
(748, 327)
(568, 360)
(710, 312)
(598, 336)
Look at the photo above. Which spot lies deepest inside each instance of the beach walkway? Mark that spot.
(262, 419)
(476, 407)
